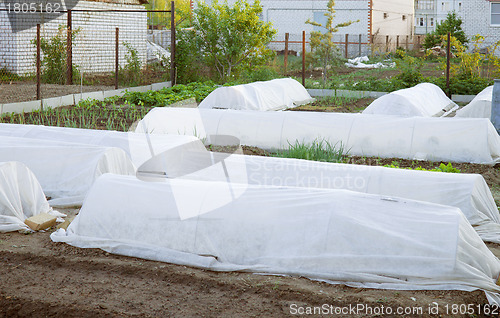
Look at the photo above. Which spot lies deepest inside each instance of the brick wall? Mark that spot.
(476, 20)
(93, 46)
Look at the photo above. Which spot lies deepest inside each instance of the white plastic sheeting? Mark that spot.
(361, 62)
(425, 99)
(139, 147)
(66, 171)
(264, 96)
(21, 197)
(479, 107)
(317, 233)
(156, 53)
(468, 192)
(436, 139)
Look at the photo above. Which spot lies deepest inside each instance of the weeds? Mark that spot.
(318, 150)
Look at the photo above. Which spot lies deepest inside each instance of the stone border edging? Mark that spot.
(314, 92)
(73, 99)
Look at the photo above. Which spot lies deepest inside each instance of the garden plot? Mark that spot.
(479, 107)
(468, 192)
(139, 147)
(65, 170)
(286, 230)
(21, 197)
(425, 100)
(472, 140)
(276, 94)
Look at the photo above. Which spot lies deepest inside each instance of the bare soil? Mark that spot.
(40, 278)
(14, 92)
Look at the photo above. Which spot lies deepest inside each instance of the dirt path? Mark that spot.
(26, 91)
(41, 278)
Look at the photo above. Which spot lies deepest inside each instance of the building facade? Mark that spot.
(429, 13)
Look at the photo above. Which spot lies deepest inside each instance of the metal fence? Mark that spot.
(352, 45)
(84, 50)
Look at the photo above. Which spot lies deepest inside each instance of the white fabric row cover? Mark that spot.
(425, 99)
(139, 147)
(21, 197)
(264, 96)
(342, 236)
(66, 171)
(472, 140)
(468, 192)
(479, 107)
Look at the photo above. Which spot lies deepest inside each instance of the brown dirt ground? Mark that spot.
(40, 278)
(15, 92)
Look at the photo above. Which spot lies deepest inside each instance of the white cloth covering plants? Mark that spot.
(21, 197)
(361, 240)
(473, 140)
(425, 100)
(276, 94)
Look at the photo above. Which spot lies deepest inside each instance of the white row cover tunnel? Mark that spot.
(271, 95)
(424, 100)
(471, 140)
(21, 197)
(66, 171)
(342, 236)
(139, 147)
(67, 161)
(469, 192)
(479, 107)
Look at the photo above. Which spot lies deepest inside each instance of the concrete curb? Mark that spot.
(367, 94)
(73, 99)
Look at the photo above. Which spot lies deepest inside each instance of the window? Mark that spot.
(403, 17)
(445, 6)
(460, 6)
(421, 22)
(385, 15)
(432, 21)
(495, 13)
(425, 4)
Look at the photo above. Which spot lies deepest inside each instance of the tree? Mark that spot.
(231, 38)
(182, 12)
(452, 24)
(322, 44)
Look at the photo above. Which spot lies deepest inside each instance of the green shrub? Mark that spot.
(54, 53)
(131, 72)
(262, 73)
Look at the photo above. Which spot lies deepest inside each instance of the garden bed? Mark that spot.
(40, 277)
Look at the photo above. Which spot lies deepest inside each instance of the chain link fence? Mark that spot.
(80, 51)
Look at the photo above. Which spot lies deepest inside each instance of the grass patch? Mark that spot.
(318, 150)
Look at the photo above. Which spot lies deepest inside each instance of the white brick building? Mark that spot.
(482, 17)
(94, 44)
(376, 17)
